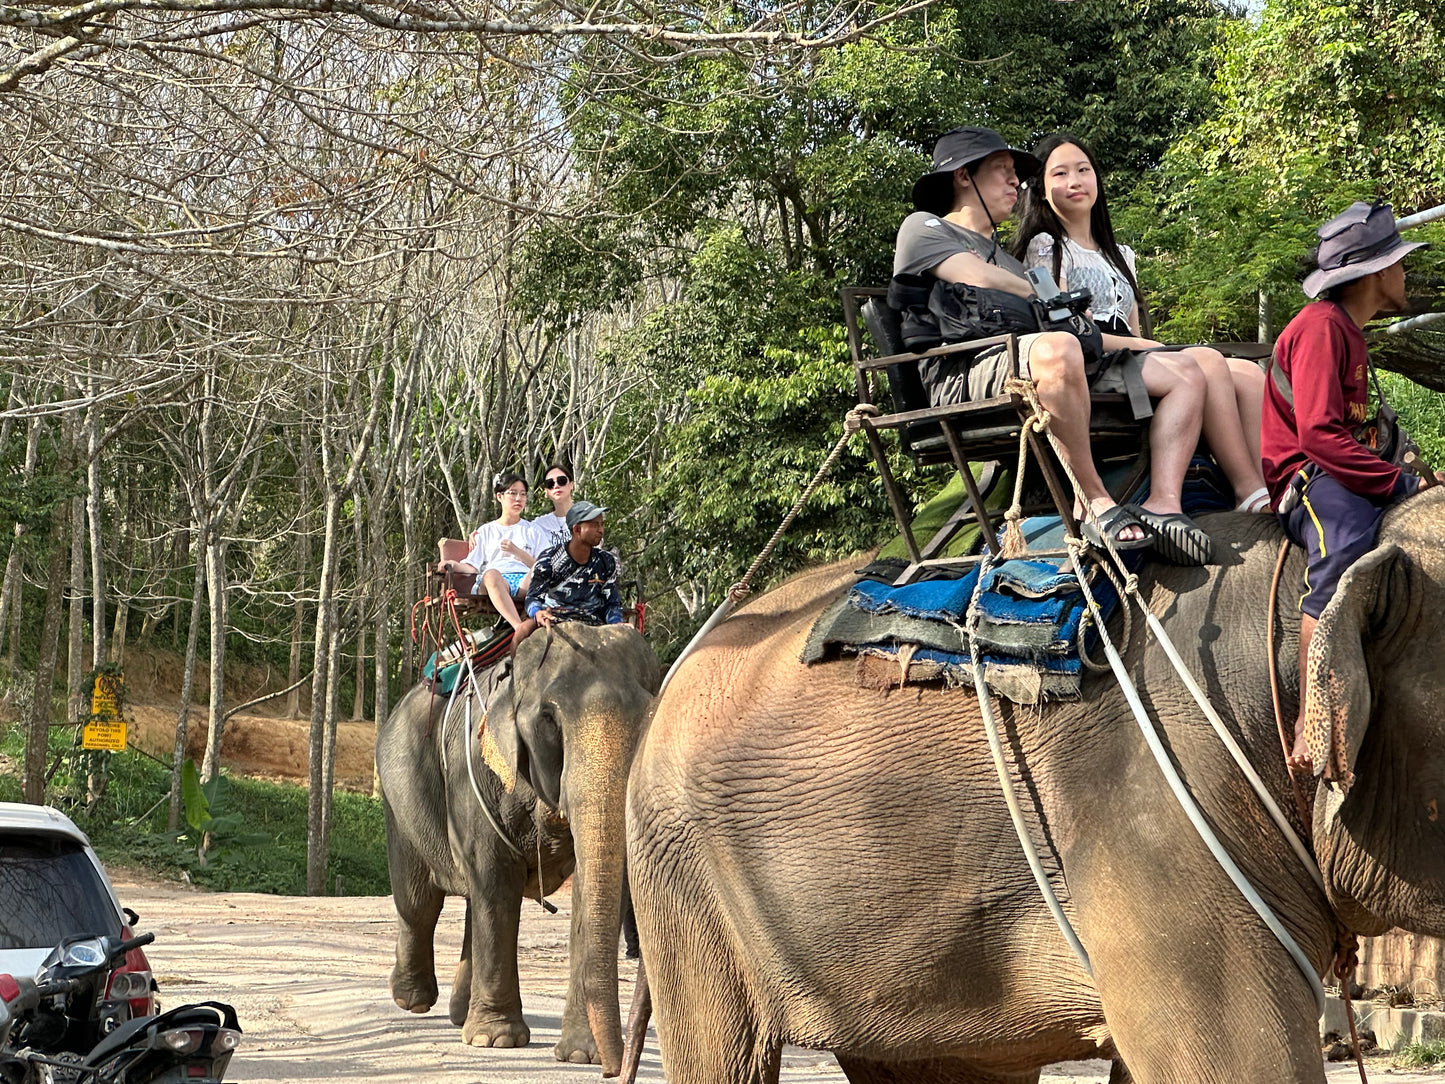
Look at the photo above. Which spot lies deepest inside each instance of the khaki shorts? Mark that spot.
(986, 376)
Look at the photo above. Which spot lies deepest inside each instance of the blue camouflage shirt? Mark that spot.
(576, 592)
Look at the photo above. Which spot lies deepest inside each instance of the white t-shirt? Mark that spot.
(554, 528)
(487, 549)
(1088, 269)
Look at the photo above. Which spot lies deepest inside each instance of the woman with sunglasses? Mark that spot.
(505, 549)
(1066, 228)
(559, 485)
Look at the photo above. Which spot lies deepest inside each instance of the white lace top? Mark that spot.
(1087, 269)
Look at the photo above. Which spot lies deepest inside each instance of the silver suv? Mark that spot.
(53, 886)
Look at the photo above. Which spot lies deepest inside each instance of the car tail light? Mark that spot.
(183, 1040)
(130, 985)
(132, 981)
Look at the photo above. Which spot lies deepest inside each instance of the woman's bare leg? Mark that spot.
(500, 592)
(1174, 432)
(1224, 427)
(1249, 381)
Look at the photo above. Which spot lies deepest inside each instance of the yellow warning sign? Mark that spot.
(104, 735)
(106, 696)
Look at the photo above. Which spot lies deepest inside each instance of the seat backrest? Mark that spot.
(885, 327)
(453, 549)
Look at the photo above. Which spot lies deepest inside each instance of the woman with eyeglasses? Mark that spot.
(504, 549)
(559, 484)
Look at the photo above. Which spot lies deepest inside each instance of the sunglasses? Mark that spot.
(557, 481)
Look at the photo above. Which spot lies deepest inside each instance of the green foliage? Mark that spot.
(1422, 412)
(1317, 106)
(1429, 1055)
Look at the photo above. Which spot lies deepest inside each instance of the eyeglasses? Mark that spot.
(515, 494)
(557, 481)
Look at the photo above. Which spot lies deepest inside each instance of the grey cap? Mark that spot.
(583, 512)
(1359, 241)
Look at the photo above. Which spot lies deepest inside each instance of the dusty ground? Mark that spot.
(308, 978)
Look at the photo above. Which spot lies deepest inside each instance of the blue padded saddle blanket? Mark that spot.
(1031, 623)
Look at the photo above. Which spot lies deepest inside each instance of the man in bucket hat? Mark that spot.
(1330, 488)
(972, 187)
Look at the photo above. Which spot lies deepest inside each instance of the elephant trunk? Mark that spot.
(598, 821)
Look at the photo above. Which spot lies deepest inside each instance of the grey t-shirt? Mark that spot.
(926, 240)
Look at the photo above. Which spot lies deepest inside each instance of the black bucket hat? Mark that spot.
(933, 192)
(1359, 241)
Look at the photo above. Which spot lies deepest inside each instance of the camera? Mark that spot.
(1055, 305)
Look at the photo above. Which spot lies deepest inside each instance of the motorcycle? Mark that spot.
(41, 1017)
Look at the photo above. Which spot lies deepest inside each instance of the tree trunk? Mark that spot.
(118, 632)
(125, 561)
(216, 598)
(12, 591)
(97, 533)
(328, 764)
(317, 807)
(358, 702)
(381, 638)
(408, 575)
(363, 594)
(75, 670)
(188, 678)
(37, 737)
(303, 568)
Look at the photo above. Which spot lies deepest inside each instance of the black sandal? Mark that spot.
(1177, 538)
(1110, 523)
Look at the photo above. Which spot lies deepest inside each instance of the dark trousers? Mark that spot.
(1336, 527)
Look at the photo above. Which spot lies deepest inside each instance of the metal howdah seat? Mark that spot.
(984, 431)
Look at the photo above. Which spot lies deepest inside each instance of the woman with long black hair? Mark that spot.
(1066, 228)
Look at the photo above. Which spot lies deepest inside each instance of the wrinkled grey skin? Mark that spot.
(567, 725)
(821, 864)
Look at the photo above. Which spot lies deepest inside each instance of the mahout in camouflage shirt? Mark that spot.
(576, 592)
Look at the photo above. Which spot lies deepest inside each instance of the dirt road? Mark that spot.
(308, 978)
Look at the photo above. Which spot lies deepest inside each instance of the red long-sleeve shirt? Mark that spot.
(1323, 354)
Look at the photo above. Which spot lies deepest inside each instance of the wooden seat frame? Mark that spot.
(983, 431)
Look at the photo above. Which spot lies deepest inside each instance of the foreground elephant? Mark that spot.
(565, 727)
(820, 864)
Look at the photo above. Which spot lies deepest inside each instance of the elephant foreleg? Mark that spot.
(494, 912)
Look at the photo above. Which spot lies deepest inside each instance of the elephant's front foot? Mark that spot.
(414, 993)
(577, 1045)
(494, 1029)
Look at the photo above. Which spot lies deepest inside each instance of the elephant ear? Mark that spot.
(1336, 685)
(528, 737)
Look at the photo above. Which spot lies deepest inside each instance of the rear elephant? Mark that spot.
(461, 791)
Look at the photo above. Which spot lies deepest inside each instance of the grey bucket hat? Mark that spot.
(1359, 241)
(933, 192)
